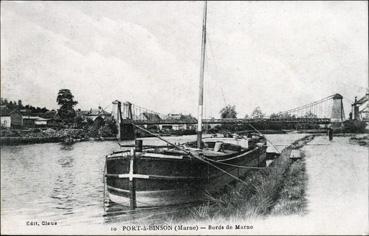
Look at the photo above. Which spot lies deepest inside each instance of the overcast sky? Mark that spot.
(278, 55)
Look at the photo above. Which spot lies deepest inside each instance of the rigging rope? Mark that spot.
(264, 137)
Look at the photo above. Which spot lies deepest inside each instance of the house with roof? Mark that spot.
(187, 122)
(151, 117)
(94, 113)
(31, 121)
(23, 118)
(28, 120)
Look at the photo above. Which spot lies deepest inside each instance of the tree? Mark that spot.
(309, 114)
(282, 115)
(109, 129)
(257, 113)
(20, 105)
(4, 101)
(12, 105)
(66, 103)
(228, 112)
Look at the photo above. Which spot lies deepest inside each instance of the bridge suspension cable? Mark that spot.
(141, 113)
(309, 105)
(321, 108)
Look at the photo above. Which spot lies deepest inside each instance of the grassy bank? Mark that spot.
(292, 199)
(276, 190)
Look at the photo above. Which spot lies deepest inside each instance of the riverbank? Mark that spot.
(35, 135)
(31, 136)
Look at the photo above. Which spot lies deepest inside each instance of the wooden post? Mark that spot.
(132, 184)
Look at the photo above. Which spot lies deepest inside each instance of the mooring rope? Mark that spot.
(264, 137)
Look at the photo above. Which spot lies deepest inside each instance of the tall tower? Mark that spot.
(338, 114)
(127, 129)
(124, 120)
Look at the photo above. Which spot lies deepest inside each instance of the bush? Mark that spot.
(354, 126)
(106, 131)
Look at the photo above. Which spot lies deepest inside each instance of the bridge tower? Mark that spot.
(124, 120)
(338, 114)
(117, 115)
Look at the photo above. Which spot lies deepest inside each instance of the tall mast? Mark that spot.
(201, 84)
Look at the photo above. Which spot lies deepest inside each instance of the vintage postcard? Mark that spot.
(184, 117)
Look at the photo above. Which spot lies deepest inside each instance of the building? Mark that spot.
(185, 122)
(5, 120)
(24, 118)
(93, 114)
(151, 117)
(16, 119)
(34, 121)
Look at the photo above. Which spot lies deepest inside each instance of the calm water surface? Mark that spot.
(62, 183)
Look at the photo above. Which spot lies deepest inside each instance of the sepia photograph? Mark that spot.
(184, 118)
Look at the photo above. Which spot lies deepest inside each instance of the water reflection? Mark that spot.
(115, 213)
(64, 185)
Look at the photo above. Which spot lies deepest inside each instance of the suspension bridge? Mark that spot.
(324, 111)
(328, 110)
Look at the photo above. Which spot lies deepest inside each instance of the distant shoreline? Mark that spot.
(10, 141)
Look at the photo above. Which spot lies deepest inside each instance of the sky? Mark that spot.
(276, 55)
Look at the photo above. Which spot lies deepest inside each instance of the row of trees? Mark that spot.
(65, 100)
(229, 111)
(12, 105)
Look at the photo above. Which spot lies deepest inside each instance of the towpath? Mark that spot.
(337, 192)
(337, 189)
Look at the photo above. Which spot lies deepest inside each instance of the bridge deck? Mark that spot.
(233, 121)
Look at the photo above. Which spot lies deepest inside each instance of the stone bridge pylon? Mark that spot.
(338, 113)
(124, 120)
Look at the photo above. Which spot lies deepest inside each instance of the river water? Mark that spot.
(64, 184)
